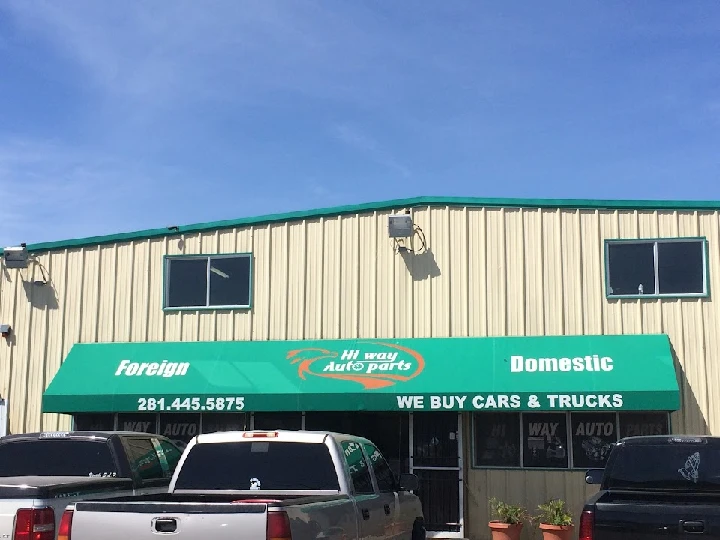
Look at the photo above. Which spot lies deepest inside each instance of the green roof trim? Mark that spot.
(581, 204)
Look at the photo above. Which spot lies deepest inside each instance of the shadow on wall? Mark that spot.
(690, 419)
(421, 266)
(41, 295)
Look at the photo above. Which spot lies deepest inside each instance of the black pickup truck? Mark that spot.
(657, 487)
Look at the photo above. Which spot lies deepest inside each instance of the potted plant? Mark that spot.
(556, 522)
(507, 522)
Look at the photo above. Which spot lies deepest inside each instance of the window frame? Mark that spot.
(571, 465)
(207, 257)
(656, 294)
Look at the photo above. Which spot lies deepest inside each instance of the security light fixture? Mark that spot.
(5, 330)
(16, 257)
(400, 226)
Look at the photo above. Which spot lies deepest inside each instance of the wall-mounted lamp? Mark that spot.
(16, 257)
(5, 330)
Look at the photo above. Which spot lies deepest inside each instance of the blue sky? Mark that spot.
(118, 116)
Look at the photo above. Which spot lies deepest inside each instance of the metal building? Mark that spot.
(496, 348)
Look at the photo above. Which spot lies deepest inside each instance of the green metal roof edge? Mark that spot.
(588, 204)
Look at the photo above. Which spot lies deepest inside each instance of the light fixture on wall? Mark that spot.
(16, 257)
(5, 330)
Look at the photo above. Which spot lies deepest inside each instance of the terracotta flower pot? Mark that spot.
(556, 532)
(505, 531)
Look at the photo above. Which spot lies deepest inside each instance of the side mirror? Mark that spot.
(409, 482)
(594, 476)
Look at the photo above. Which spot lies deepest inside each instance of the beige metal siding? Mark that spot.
(486, 272)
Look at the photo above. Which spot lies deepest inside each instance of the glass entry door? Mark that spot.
(435, 457)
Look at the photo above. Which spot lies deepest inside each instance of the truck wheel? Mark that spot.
(418, 532)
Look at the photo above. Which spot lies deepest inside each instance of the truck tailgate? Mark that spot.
(667, 517)
(181, 521)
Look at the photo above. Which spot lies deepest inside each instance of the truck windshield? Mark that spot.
(56, 458)
(258, 466)
(667, 466)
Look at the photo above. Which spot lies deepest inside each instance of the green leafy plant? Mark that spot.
(507, 513)
(554, 512)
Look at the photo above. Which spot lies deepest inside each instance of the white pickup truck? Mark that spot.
(282, 485)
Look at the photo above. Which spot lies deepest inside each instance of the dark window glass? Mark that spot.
(138, 422)
(143, 458)
(358, 467)
(383, 473)
(179, 427)
(693, 466)
(545, 440)
(641, 424)
(592, 437)
(56, 457)
(497, 439)
(212, 423)
(268, 421)
(94, 422)
(681, 267)
(230, 281)
(632, 268)
(267, 465)
(172, 455)
(187, 282)
(389, 431)
(435, 441)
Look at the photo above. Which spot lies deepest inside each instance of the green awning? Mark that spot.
(629, 372)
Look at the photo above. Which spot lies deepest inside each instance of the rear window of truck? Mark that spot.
(56, 457)
(258, 465)
(667, 466)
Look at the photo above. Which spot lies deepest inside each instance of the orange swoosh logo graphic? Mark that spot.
(370, 381)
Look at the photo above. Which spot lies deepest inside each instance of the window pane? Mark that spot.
(187, 282)
(497, 439)
(56, 457)
(592, 437)
(230, 281)
(143, 458)
(359, 472)
(139, 422)
(631, 268)
(179, 427)
(640, 424)
(94, 422)
(172, 455)
(274, 465)
(269, 420)
(545, 440)
(214, 422)
(681, 267)
(383, 473)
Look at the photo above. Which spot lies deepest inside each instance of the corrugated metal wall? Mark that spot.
(486, 272)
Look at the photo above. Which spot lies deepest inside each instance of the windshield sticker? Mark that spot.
(691, 469)
(102, 475)
(254, 483)
(259, 447)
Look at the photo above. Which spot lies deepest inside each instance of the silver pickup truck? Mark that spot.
(282, 485)
(41, 473)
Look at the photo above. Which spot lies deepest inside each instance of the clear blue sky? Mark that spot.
(117, 116)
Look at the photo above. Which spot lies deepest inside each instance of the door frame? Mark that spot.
(461, 478)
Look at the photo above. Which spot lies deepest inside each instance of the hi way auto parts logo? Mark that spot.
(378, 365)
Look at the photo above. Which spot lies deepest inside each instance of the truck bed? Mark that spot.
(647, 515)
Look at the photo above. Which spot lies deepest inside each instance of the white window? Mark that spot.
(208, 281)
(670, 267)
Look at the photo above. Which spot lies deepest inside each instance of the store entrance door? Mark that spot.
(435, 457)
